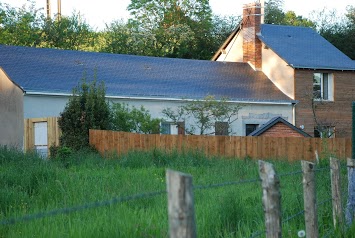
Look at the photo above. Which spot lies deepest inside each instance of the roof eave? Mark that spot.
(226, 42)
(321, 68)
(153, 98)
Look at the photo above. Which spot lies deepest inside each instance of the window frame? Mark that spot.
(251, 124)
(330, 132)
(174, 128)
(326, 89)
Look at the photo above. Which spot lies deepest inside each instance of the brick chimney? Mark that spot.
(250, 28)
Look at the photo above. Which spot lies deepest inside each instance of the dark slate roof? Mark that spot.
(273, 122)
(302, 47)
(58, 71)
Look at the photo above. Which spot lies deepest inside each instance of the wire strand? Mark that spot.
(68, 210)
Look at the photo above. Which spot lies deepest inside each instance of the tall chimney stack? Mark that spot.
(251, 28)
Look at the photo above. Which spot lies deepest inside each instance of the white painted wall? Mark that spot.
(234, 50)
(278, 71)
(273, 66)
(51, 106)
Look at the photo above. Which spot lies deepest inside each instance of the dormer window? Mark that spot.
(323, 86)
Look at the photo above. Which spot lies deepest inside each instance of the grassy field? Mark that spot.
(30, 185)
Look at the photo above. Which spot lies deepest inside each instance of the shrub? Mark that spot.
(132, 119)
(86, 109)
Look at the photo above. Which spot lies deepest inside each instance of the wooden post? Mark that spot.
(271, 199)
(350, 206)
(336, 192)
(309, 197)
(180, 205)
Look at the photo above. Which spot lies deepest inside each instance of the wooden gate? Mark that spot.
(40, 134)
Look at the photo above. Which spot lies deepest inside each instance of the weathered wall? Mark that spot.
(337, 113)
(11, 112)
(249, 114)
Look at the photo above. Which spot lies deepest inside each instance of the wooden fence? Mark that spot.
(181, 202)
(228, 146)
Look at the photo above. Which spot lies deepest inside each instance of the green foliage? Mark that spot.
(173, 28)
(86, 109)
(68, 33)
(20, 26)
(274, 14)
(338, 29)
(204, 114)
(30, 185)
(132, 119)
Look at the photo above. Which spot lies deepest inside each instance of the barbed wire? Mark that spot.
(324, 201)
(257, 234)
(293, 216)
(322, 169)
(68, 210)
(290, 173)
(200, 187)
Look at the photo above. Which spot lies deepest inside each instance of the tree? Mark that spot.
(274, 14)
(20, 26)
(86, 109)
(338, 30)
(132, 119)
(71, 33)
(204, 114)
(174, 28)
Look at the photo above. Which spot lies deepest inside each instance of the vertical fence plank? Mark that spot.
(271, 199)
(241, 147)
(180, 205)
(336, 193)
(350, 206)
(309, 197)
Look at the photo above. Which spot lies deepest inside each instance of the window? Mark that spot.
(249, 128)
(170, 128)
(324, 132)
(221, 128)
(323, 86)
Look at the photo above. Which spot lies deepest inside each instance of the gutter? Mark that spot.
(280, 102)
(321, 68)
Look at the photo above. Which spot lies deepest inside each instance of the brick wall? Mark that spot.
(281, 130)
(336, 113)
(251, 26)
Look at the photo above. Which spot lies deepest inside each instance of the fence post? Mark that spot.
(309, 197)
(180, 205)
(350, 206)
(271, 199)
(336, 193)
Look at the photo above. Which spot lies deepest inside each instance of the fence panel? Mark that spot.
(228, 146)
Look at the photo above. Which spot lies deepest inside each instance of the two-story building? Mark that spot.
(300, 63)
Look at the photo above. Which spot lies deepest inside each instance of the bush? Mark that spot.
(87, 109)
(132, 119)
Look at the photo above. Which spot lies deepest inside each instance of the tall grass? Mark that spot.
(30, 185)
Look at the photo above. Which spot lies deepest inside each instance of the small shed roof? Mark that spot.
(272, 123)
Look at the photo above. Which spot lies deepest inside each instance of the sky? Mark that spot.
(97, 13)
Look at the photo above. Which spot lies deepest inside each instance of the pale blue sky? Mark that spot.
(97, 13)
